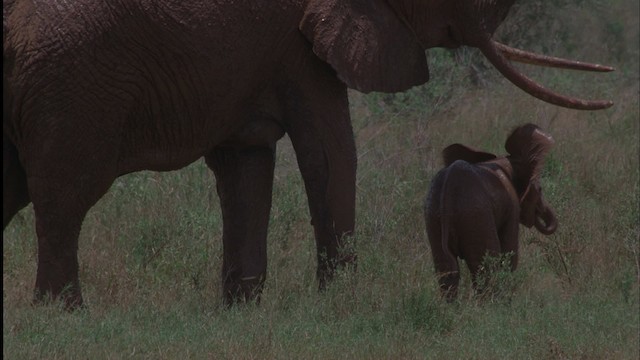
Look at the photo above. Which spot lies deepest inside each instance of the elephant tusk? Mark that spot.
(502, 64)
(526, 57)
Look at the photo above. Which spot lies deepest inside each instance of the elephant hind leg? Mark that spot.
(15, 194)
(60, 206)
(483, 266)
(62, 193)
(479, 242)
(448, 280)
(446, 265)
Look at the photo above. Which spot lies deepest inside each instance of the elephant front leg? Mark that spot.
(325, 149)
(332, 209)
(244, 183)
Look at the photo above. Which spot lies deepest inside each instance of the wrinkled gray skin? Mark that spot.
(96, 89)
(475, 204)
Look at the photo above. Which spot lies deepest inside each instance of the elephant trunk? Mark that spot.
(499, 54)
(546, 221)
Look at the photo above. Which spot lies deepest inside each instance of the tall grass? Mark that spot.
(150, 250)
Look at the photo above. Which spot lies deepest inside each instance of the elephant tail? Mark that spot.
(447, 207)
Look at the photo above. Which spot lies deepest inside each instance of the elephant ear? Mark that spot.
(455, 152)
(527, 147)
(369, 47)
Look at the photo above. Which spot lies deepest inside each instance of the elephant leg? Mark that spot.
(244, 180)
(15, 194)
(61, 200)
(509, 242)
(446, 265)
(321, 134)
(477, 242)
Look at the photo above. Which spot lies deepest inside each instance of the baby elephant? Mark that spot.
(476, 202)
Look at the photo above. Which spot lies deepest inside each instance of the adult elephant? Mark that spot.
(96, 89)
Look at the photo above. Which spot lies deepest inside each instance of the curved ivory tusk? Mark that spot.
(526, 57)
(501, 63)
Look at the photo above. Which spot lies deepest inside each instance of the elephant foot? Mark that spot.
(70, 297)
(58, 281)
(449, 285)
(449, 295)
(243, 291)
(327, 269)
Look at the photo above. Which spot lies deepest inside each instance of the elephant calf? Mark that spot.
(475, 203)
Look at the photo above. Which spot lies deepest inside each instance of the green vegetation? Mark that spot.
(150, 251)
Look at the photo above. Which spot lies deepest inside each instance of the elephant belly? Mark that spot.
(170, 143)
(261, 132)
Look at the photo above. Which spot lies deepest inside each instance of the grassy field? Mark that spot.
(150, 250)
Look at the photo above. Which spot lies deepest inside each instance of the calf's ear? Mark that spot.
(368, 46)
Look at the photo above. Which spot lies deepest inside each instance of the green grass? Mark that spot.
(150, 250)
